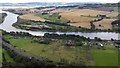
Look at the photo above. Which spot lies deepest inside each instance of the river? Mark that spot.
(12, 18)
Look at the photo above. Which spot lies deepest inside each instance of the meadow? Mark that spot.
(108, 57)
(76, 55)
(53, 51)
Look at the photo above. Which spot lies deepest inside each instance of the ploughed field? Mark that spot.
(68, 51)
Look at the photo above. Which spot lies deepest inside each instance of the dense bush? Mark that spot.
(2, 17)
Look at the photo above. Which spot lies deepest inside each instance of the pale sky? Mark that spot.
(23, 1)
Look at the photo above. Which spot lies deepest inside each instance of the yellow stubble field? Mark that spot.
(78, 17)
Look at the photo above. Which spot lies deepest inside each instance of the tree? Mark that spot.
(4, 59)
(79, 43)
(59, 16)
(99, 25)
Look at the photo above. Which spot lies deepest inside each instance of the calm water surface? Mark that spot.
(12, 18)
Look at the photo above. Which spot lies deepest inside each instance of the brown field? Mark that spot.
(105, 24)
(80, 21)
(32, 17)
(76, 16)
(47, 9)
(113, 14)
(79, 12)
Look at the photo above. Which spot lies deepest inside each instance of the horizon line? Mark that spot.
(58, 2)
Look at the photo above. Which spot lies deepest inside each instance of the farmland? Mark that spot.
(32, 17)
(45, 26)
(53, 51)
(96, 55)
(80, 17)
(75, 17)
(55, 17)
(104, 24)
(100, 56)
(71, 36)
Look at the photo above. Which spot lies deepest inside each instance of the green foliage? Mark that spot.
(116, 27)
(55, 17)
(5, 57)
(2, 17)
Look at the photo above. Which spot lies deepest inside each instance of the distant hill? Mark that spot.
(45, 4)
(59, 4)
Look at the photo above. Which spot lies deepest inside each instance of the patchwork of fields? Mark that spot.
(76, 17)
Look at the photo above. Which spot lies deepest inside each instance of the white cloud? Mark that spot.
(21, 1)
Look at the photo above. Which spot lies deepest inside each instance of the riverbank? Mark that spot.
(45, 26)
(53, 27)
(2, 17)
(102, 20)
(12, 18)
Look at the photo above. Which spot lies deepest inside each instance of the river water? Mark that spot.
(12, 18)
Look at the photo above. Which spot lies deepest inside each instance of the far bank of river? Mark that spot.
(12, 18)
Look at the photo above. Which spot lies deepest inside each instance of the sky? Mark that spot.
(23, 1)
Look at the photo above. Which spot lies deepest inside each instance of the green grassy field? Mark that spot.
(53, 18)
(58, 52)
(108, 57)
(55, 51)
